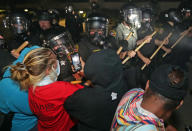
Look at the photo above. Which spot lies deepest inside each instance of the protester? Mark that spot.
(15, 101)
(38, 74)
(95, 105)
(147, 110)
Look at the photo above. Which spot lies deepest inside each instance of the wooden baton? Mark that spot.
(139, 47)
(21, 47)
(178, 40)
(127, 38)
(157, 50)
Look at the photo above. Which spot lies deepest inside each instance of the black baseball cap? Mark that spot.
(160, 82)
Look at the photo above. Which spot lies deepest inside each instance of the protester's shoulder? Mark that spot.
(67, 84)
(136, 90)
(148, 127)
(132, 93)
(27, 49)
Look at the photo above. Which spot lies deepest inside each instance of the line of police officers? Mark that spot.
(136, 26)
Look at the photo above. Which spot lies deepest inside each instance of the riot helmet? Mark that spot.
(44, 15)
(94, 6)
(185, 8)
(19, 22)
(172, 15)
(44, 20)
(186, 11)
(97, 28)
(147, 19)
(146, 16)
(60, 41)
(132, 15)
(69, 9)
(54, 14)
(6, 22)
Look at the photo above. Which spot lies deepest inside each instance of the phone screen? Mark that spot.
(76, 62)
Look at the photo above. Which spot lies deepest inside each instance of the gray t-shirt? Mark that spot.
(123, 31)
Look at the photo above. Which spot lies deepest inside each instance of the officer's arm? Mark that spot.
(143, 58)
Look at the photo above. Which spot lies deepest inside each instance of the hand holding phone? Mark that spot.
(76, 62)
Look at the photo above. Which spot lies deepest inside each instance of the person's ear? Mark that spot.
(47, 71)
(147, 85)
(180, 104)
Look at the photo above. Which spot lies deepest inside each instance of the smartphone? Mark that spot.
(76, 62)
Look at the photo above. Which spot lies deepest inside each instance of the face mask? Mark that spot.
(57, 71)
(52, 77)
(98, 40)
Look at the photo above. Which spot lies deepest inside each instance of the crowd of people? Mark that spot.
(63, 79)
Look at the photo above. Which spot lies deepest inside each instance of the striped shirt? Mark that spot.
(130, 116)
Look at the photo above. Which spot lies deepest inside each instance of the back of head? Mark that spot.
(33, 68)
(168, 83)
(104, 69)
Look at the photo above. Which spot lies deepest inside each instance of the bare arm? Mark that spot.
(143, 58)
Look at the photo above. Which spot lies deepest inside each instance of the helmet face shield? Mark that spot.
(61, 44)
(146, 17)
(97, 24)
(186, 12)
(6, 22)
(174, 16)
(97, 29)
(19, 25)
(133, 16)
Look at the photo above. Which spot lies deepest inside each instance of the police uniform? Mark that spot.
(123, 31)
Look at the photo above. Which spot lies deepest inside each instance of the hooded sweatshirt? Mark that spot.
(94, 107)
(130, 116)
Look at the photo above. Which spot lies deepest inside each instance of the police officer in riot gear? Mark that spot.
(54, 14)
(172, 18)
(126, 34)
(169, 21)
(185, 8)
(19, 24)
(147, 28)
(97, 36)
(60, 41)
(146, 24)
(97, 29)
(40, 27)
(126, 31)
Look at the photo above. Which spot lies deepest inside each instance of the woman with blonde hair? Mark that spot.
(38, 74)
